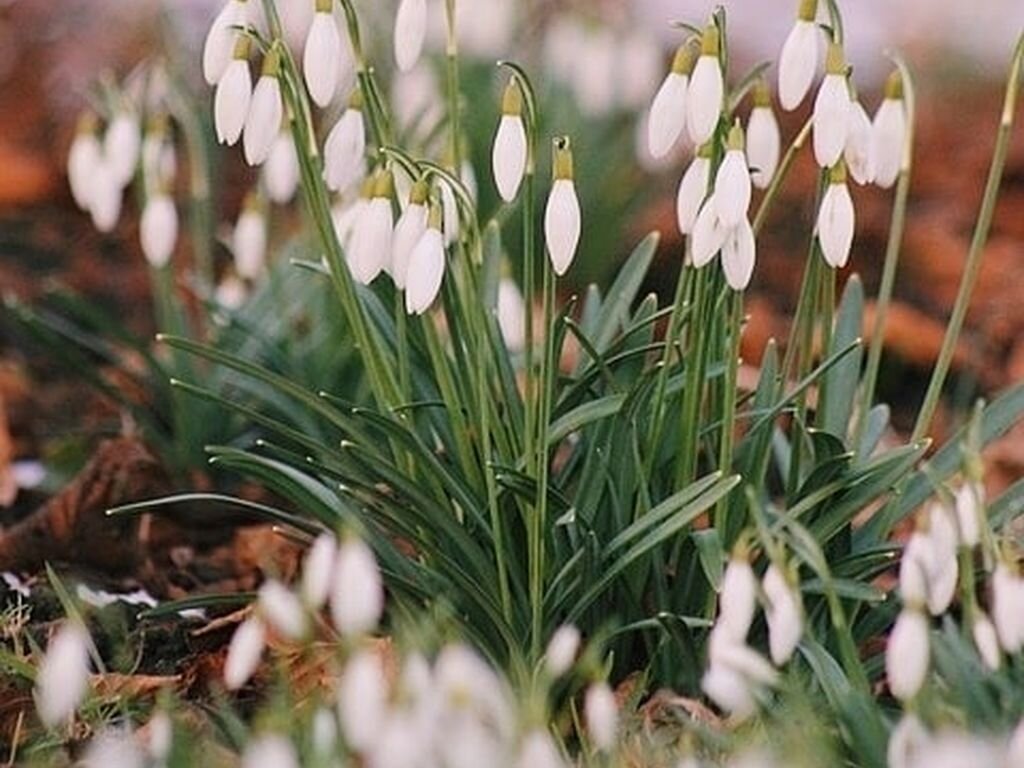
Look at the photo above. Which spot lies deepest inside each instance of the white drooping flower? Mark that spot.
(464, 684)
(693, 189)
(986, 640)
(317, 571)
(233, 96)
(63, 677)
(249, 240)
(362, 700)
(370, 251)
(411, 226)
(601, 713)
(907, 653)
(739, 251)
(539, 751)
(706, 94)
(83, 158)
(105, 199)
(730, 690)
(945, 569)
(345, 148)
(357, 595)
(231, 292)
(426, 265)
(708, 234)
(562, 215)
(832, 110)
(244, 653)
(270, 751)
(562, 648)
(220, 40)
(321, 58)
(836, 219)
(916, 565)
(282, 610)
(159, 160)
(736, 673)
(281, 171)
(906, 741)
(857, 152)
(410, 32)
(667, 118)
(113, 748)
(784, 614)
(158, 229)
(509, 156)
(888, 134)
(970, 512)
(1008, 606)
(732, 183)
(121, 145)
(737, 599)
(798, 62)
(511, 314)
(160, 738)
(263, 122)
(764, 142)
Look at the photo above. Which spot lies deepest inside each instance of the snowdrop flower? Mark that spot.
(562, 649)
(410, 31)
(411, 226)
(732, 184)
(231, 292)
(121, 145)
(1008, 607)
(464, 684)
(426, 265)
(836, 219)
(345, 148)
(562, 215)
(602, 715)
(263, 122)
(857, 152)
(450, 210)
(798, 62)
(244, 653)
(105, 198)
(737, 598)
(944, 574)
(158, 229)
(784, 614)
(970, 511)
(63, 676)
(510, 151)
(317, 569)
(113, 748)
(667, 117)
(888, 134)
(986, 640)
(161, 736)
(511, 314)
(321, 59)
(271, 751)
(916, 564)
(832, 110)
(709, 234)
(249, 240)
(907, 653)
(707, 92)
(738, 255)
(370, 252)
(907, 739)
(159, 163)
(735, 673)
(220, 40)
(539, 751)
(357, 595)
(282, 610)
(324, 735)
(234, 93)
(763, 139)
(693, 189)
(730, 691)
(83, 158)
(281, 171)
(362, 700)
(345, 215)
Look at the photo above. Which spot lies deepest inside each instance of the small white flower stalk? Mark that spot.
(158, 229)
(907, 653)
(693, 189)
(970, 512)
(510, 153)
(411, 226)
(667, 118)
(249, 240)
(281, 170)
(562, 215)
(601, 713)
(234, 94)
(857, 152)
(410, 32)
(764, 142)
(426, 264)
(220, 40)
(85, 156)
(63, 677)
(986, 640)
(836, 219)
(282, 610)
(511, 314)
(263, 122)
(244, 652)
(888, 134)
(370, 250)
(832, 110)
(706, 95)
(345, 148)
(784, 612)
(561, 651)
(737, 599)
(357, 591)
(321, 58)
(798, 62)
(121, 145)
(1008, 605)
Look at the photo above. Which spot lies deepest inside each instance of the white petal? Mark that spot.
(372, 240)
(105, 199)
(63, 677)
(969, 512)
(915, 564)
(158, 230)
(704, 99)
(561, 650)
(836, 225)
(220, 40)
(539, 751)
(602, 715)
(730, 691)
(271, 751)
(888, 134)
(321, 59)
(907, 739)
(692, 189)
(763, 146)
(831, 120)
(732, 189)
(986, 641)
(784, 615)
(357, 599)
(362, 700)
(281, 171)
(426, 271)
(737, 600)
(84, 157)
(318, 569)
(249, 244)
(907, 654)
(344, 151)
(562, 225)
(668, 114)
(798, 64)
(511, 315)
(1008, 608)
(282, 610)
(244, 653)
(509, 156)
(410, 228)
(231, 102)
(858, 145)
(121, 146)
(410, 30)
(708, 234)
(263, 123)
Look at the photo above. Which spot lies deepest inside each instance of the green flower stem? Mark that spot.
(529, 257)
(722, 522)
(452, 71)
(974, 255)
(696, 353)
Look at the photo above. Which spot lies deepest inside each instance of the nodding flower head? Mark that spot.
(693, 189)
(426, 264)
(158, 229)
(84, 157)
(888, 134)
(322, 56)
(668, 110)
(220, 40)
(836, 219)
(707, 92)
(798, 62)
(510, 145)
(562, 215)
(763, 139)
(410, 31)
(234, 94)
(832, 110)
(345, 148)
(263, 122)
(372, 239)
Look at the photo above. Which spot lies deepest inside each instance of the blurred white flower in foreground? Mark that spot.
(63, 676)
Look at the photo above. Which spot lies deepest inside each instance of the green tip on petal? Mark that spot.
(682, 62)
(419, 193)
(736, 138)
(241, 50)
(512, 101)
(355, 99)
(272, 63)
(762, 94)
(710, 41)
(837, 173)
(436, 218)
(562, 166)
(894, 86)
(707, 149)
(835, 61)
(384, 185)
(367, 187)
(324, 6)
(808, 10)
